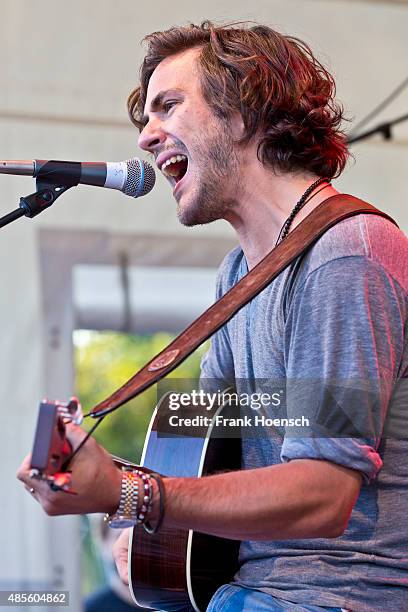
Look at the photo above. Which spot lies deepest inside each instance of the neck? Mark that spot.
(260, 212)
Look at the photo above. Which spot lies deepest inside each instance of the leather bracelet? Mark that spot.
(146, 524)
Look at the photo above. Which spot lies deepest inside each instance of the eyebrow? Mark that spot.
(157, 101)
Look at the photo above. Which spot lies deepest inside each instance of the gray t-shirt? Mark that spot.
(333, 327)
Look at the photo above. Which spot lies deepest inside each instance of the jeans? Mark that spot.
(233, 598)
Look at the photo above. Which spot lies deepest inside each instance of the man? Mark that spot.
(243, 123)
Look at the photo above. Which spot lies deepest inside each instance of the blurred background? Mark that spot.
(99, 282)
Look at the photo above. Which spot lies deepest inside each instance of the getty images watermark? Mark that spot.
(369, 408)
(202, 409)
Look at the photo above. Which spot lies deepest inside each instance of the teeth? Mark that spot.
(173, 160)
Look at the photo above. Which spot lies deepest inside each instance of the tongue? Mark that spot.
(177, 170)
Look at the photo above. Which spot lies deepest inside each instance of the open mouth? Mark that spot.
(175, 168)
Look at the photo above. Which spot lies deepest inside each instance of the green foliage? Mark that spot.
(106, 360)
(103, 362)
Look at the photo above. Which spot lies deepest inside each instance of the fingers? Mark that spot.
(38, 490)
(95, 480)
(30, 484)
(31, 490)
(120, 554)
(23, 472)
(122, 567)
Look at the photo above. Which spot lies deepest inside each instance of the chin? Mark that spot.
(189, 218)
(188, 212)
(202, 207)
(192, 215)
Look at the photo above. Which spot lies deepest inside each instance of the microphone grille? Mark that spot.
(140, 178)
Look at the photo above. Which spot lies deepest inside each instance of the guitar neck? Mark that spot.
(119, 462)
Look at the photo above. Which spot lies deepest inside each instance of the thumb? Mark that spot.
(74, 433)
(120, 554)
(122, 567)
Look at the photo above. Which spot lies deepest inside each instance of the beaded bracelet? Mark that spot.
(144, 492)
(147, 496)
(146, 524)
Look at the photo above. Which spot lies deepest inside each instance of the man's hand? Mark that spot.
(95, 479)
(120, 554)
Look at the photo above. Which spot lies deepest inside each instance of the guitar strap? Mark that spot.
(303, 236)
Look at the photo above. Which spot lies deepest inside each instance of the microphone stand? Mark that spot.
(33, 204)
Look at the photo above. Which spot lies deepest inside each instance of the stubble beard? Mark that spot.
(214, 194)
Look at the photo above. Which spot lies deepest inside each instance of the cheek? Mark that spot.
(183, 121)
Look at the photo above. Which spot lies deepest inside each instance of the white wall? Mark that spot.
(66, 70)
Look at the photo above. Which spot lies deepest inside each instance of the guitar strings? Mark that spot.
(80, 445)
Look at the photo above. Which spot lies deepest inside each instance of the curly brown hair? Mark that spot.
(283, 93)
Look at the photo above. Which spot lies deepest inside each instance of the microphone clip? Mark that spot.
(46, 194)
(33, 204)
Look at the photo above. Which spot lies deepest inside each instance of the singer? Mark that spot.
(243, 123)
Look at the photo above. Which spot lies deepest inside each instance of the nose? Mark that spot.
(151, 136)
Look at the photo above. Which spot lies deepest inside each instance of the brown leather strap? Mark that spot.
(324, 216)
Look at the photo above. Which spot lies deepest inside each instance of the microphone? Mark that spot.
(134, 177)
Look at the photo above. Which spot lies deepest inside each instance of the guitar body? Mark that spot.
(176, 568)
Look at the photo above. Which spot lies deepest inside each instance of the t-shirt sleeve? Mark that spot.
(343, 345)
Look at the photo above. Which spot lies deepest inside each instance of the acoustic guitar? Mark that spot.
(174, 568)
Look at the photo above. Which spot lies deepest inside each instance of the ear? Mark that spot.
(237, 126)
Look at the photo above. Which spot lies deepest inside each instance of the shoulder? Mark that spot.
(232, 268)
(369, 237)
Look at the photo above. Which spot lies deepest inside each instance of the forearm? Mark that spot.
(301, 499)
